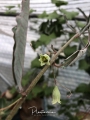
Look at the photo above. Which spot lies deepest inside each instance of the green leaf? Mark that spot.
(48, 90)
(20, 33)
(84, 88)
(36, 90)
(35, 63)
(61, 19)
(13, 90)
(2, 102)
(26, 78)
(80, 24)
(43, 15)
(43, 40)
(53, 15)
(29, 97)
(30, 75)
(59, 3)
(27, 75)
(31, 11)
(70, 50)
(10, 7)
(69, 15)
(83, 65)
(36, 44)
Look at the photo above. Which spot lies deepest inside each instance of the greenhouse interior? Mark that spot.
(45, 59)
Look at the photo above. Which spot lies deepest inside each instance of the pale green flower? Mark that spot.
(44, 59)
(56, 95)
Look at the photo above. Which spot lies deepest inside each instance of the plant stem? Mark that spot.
(5, 108)
(34, 82)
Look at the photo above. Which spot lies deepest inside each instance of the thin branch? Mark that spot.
(5, 108)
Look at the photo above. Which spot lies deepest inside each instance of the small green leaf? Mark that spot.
(26, 78)
(69, 15)
(36, 90)
(10, 7)
(48, 90)
(36, 44)
(83, 65)
(84, 88)
(43, 40)
(61, 19)
(80, 24)
(53, 15)
(43, 15)
(29, 96)
(2, 102)
(59, 3)
(31, 11)
(35, 63)
(13, 90)
(70, 50)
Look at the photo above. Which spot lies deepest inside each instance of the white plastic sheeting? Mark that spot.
(73, 76)
(46, 5)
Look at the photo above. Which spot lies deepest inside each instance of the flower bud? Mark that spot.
(56, 95)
